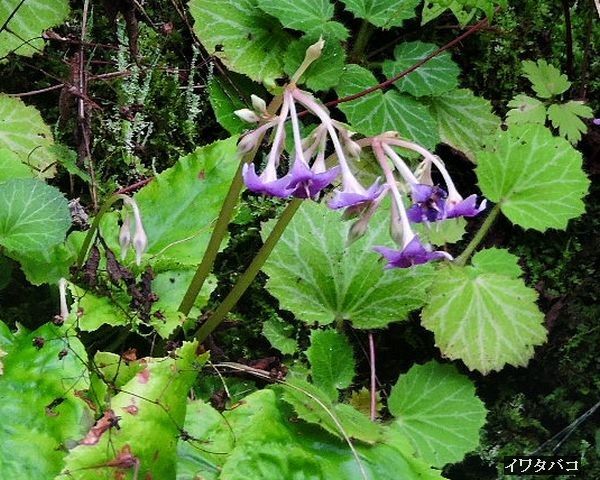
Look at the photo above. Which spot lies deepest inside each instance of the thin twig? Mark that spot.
(134, 186)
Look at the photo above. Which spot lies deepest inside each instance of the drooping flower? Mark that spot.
(139, 240)
(429, 203)
(413, 253)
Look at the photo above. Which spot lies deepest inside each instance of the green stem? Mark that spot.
(479, 236)
(94, 228)
(362, 39)
(214, 243)
(248, 276)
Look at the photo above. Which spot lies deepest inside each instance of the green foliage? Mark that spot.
(277, 332)
(464, 120)
(241, 36)
(317, 277)
(152, 415)
(526, 109)
(546, 80)
(536, 178)
(24, 133)
(383, 13)
(486, 319)
(439, 75)
(437, 409)
(23, 22)
(224, 101)
(463, 10)
(379, 112)
(567, 118)
(42, 371)
(331, 361)
(33, 216)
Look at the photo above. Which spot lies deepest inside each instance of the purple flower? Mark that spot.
(350, 197)
(596, 121)
(267, 183)
(429, 203)
(464, 208)
(307, 183)
(413, 253)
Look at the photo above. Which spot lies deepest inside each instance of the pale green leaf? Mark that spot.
(309, 16)
(318, 278)
(224, 101)
(95, 311)
(332, 361)
(497, 260)
(567, 118)
(383, 13)
(241, 36)
(41, 414)
(277, 332)
(439, 75)
(463, 119)
(437, 409)
(179, 207)
(312, 405)
(325, 72)
(23, 32)
(11, 166)
(33, 216)
(485, 319)
(525, 109)
(442, 231)
(546, 80)
(378, 112)
(536, 177)
(152, 408)
(23, 132)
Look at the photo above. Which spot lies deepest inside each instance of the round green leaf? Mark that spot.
(536, 177)
(33, 215)
(497, 260)
(331, 360)
(242, 36)
(437, 76)
(23, 132)
(23, 32)
(485, 319)
(318, 278)
(378, 112)
(437, 409)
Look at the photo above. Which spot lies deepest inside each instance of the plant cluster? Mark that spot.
(145, 270)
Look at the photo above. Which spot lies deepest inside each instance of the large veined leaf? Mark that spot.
(242, 36)
(383, 13)
(33, 215)
(27, 20)
(310, 16)
(268, 445)
(317, 277)
(151, 407)
(437, 76)
(23, 132)
(379, 112)
(11, 166)
(567, 118)
(224, 101)
(485, 319)
(325, 72)
(437, 409)
(331, 361)
(546, 80)
(179, 207)
(40, 412)
(95, 311)
(463, 119)
(536, 177)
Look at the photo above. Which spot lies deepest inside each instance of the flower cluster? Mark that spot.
(308, 174)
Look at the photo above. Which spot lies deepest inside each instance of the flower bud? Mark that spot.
(140, 243)
(314, 51)
(125, 236)
(259, 104)
(247, 115)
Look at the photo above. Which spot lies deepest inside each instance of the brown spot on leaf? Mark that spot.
(144, 376)
(107, 421)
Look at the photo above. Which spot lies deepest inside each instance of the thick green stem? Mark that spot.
(94, 228)
(248, 276)
(362, 39)
(479, 236)
(219, 232)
